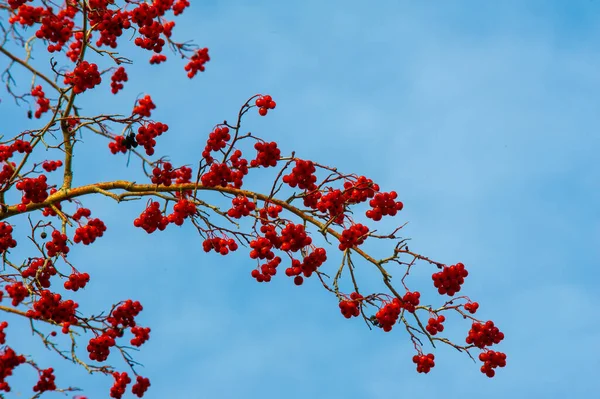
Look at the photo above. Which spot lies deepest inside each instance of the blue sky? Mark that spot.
(483, 116)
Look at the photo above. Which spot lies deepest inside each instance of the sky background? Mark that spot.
(483, 116)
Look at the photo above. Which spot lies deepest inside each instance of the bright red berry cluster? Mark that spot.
(115, 80)
(124, 314)
(261, 248)
(179, 6)
(197, 62)
(34, 190)
(491, 360)
(3, 325)
(217, 140)
(220, 174)
(435, 326)
(352, 236)
(333, 203)
(302, 175)
(471, 307)
(267, 270)
(141, 385)
(50, 307)
(57, 28)
(270, 211)
(384, 204)
(18, 292)
(46, 381)
(41, 270)
(157, 59)
(58, 245)
(450, 279)
(424, 362)
(482, 335)
(6, 239)
(84, 76)
(77, 281)
(308, 266)
(181, 211)
(152, 218)
(241, 207)
(410, 301)
(147, 134)
(81, 213)
(51, 166)
(144, 107)
(220, 245)
(265, 103)
(352, 307)
(388, 314)
(118, 388)
(360, 190)
(99, 347)
(141, 335)
(42, 102)
(267, 154)
(294, 238)
(165, 175)
(87, 234)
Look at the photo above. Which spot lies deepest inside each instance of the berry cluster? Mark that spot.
(352, 307)
(118, 388)
(84, 76)
(99, 347)
(435, 326)
(119, 76)
(7, 151)
(424, 362)
(471, 307)
(18, 292)
(125, 314)
(151, 219)
(197, 62)
(50, 307)
(81, 213)
(9, 361)
(352, 236)
(179, 6)
(6, 239)
(220, 245)
(157, 59)
(267, 270)
(265, 103)
(267, 154)
(261, 248)
(46, 381)
(241, 207)
(144, 107)
(217, 140)
(123, 143)
(220, 174)
(142, 334)
(359, 190)
(384, 204)
(58, 244)
(482, 335)
(110, 24)
(270, 211)
(57, 28)
(388, 315)
(151, 39)
(75, 47)
(491, 360)
(181, 211)
(87, 234)
(42, 102)
(51, 166)
(294, 238)
(165, 175)
(302, 176)
(3, 325)
(7, 172)
(147, 134)
(333, 203)
(410, 301)
(77, 281)
(34, 190)
(41, 270)
(449, 280)
(308, 266)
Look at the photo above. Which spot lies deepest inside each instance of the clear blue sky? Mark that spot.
(483, 116)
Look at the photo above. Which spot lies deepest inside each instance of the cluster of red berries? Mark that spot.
(352, 307)
(308, 266)
(49, 210)
(7, 172)
(471, 307)
(435, 326)
(265, 103)
(50, 307)
(81, 213)
(18, 292)
(115, 80)
(123, 143)
(387, 316)
(197, 62)
(181, 211)
(333, 203)
(241, 207)
(110, 24)
(46, 381)
(220, 245)
(9, 360)
(58, 244)
(87, 234)
(157, 59)
(179, 6)
(261, 248)
(41, 270)
(3, 325)
(99, 347)
(57, 28)
(147, 134)
(118, 388)
(7, 151)
(360, 190)
(144, 107)
(142, 334)
(220, 174)
(77, 281)
(267, 154)
(482, 335)
(34, 190)
(410, 301)
(302, 175)
(42, 102)
(151, 39)
(6, 239)
(270, 211)
(51, 166)
(294, 238)
(491, 360)
(75, 47)
(141, 385)
(125, 314)
(27, 15)
(424, 362)
(84, 76)
(217, 140)
(267, 270)
(450, 279)
(384, 204)
(151, 219)
(352, 236)
(165, 175)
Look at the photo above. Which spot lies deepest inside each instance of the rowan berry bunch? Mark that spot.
(307, 200)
